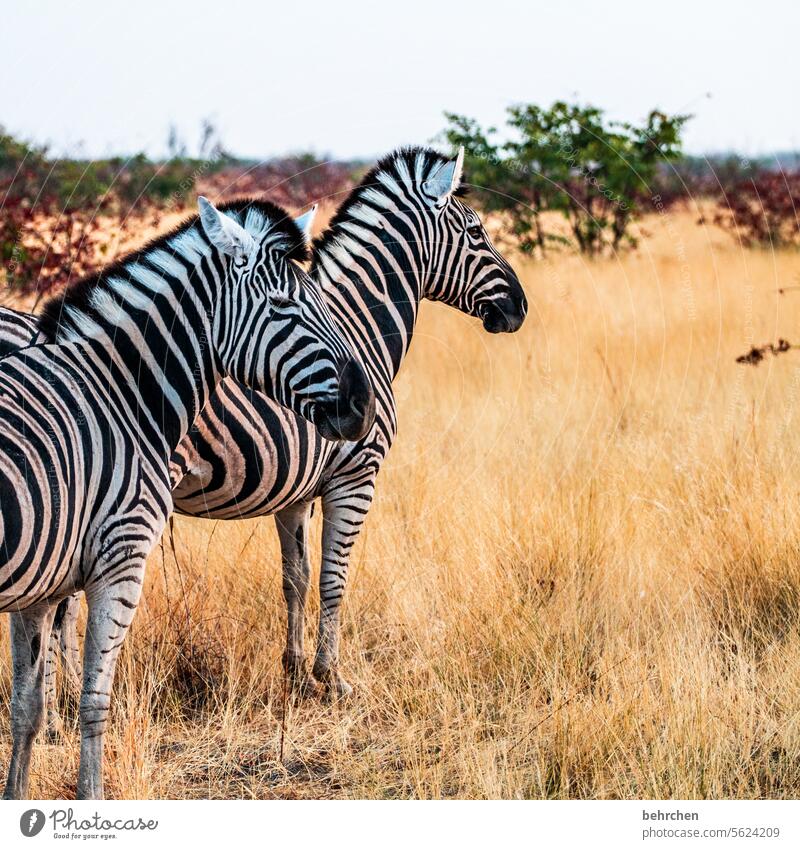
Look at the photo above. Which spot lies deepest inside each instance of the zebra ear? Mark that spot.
(306, 221)
(225, 234)
(441, 184)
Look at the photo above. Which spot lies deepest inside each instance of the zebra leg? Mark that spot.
(292, 525)
(112, 604)
(30, 633)
(54, 725)
(63, 641)
(69, 644)
(343, 516)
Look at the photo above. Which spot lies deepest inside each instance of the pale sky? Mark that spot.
(356, 79)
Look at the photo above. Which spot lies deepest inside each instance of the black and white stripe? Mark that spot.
(17, 330)
(89, 421)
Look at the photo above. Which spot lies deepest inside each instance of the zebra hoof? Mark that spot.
(337, 690)
(301, 683)
(304, 687)
(336, 687)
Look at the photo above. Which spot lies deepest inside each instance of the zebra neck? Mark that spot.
(374, 287)
(150, 320)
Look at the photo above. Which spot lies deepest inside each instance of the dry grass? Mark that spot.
(581, 576)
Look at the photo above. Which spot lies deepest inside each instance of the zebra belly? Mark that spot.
(40, 500)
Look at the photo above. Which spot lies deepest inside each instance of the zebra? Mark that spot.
(403, 234)
(90, 418)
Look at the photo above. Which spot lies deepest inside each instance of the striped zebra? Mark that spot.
(402, 235)
(90, 419)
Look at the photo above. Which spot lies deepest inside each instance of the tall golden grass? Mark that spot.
(580, 577)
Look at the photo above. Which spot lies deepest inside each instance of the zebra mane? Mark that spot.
(399, 164)
(257, 216)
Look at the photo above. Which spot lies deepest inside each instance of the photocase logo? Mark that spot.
(31, 822)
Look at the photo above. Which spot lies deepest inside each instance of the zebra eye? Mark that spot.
(475, 231)
(280, 299)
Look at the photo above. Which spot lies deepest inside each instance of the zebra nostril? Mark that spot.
(357, 407)
(356, 392)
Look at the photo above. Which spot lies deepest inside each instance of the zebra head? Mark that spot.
(466, 271)
(274, 331)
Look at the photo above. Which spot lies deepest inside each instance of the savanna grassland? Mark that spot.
(580, 577)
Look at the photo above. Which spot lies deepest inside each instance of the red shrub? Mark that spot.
(46, 244)
(764, 210)
(293, 182)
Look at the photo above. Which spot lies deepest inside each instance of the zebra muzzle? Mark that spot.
(504, 315)
(351, 415)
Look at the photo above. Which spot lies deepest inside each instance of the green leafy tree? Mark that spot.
(567, 159)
